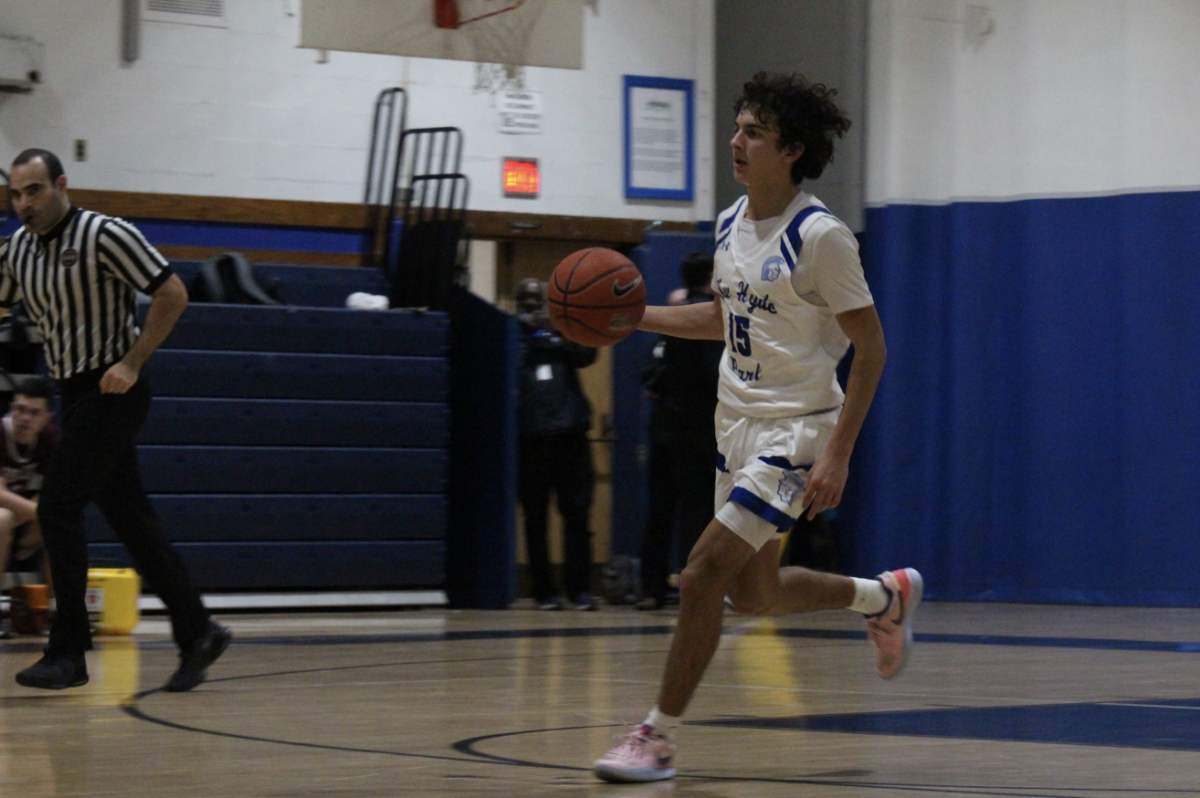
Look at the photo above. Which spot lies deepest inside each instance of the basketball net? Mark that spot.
(499, 31)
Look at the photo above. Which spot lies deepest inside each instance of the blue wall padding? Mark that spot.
(306, 286)
(1036, 435)
(292, 469)
(272, 375)
(481, 568)
(336, 564)
(267, 422)
(658, 259)
(244, 518)
(312, 330)
(227, 235)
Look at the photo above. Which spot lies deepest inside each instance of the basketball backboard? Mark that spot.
(545, 33)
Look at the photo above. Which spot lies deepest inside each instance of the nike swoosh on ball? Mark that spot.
(622, 290)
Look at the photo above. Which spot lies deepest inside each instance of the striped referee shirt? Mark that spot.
(79, 283)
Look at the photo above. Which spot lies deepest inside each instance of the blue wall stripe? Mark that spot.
(161, 232)
(1035, 437)
(245, 236)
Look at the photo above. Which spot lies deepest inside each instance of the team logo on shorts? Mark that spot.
(772, 268)
(790, 484)
(69, 258)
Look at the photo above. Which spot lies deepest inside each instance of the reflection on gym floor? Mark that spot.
(999, 700)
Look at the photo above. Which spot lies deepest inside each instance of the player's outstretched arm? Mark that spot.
(701, 320)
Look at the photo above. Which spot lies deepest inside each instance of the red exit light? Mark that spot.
(521, 177)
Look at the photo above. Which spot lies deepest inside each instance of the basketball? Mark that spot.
(596, 296)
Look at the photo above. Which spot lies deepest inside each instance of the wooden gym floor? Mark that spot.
(998, 700)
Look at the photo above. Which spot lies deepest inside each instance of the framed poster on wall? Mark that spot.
(659, 138)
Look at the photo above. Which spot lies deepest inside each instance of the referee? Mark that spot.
(78, 273)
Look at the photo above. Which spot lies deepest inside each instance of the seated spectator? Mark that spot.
(27, 441)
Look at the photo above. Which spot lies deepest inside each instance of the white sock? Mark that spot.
(870, 596)
(663, 724)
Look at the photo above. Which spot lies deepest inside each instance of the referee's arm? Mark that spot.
(167, 304)
(126, 254)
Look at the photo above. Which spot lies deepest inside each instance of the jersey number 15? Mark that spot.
(739, 334)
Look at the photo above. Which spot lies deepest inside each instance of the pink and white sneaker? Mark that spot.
(638, 755)
(891, 630)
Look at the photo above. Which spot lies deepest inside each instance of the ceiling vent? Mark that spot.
(209, 13)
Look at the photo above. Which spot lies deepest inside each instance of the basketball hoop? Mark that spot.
(499, 32)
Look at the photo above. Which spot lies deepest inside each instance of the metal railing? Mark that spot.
(383, 172)
(431, 217)
(431, 256)
(416, 197)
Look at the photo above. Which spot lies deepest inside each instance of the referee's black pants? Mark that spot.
(96, 460)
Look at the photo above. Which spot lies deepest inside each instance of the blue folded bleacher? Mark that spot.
(300, 447)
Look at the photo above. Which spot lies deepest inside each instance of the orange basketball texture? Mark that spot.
(596, 296)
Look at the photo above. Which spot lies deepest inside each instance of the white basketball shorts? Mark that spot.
(762, 470)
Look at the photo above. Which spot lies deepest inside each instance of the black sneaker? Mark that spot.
(55, 671)
(585, 603)
(194, 662)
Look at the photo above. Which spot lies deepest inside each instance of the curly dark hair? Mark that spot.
(804, 113)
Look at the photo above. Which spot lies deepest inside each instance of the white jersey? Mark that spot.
(780, 290)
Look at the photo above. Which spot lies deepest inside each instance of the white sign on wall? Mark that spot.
(658, 138)
(520, 111)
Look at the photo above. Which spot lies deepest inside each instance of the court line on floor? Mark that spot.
(473, 756)
(476, 757)
(1020, 641)
(133, 711)
(467, 746)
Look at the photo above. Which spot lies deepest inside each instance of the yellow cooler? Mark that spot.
(112, 597)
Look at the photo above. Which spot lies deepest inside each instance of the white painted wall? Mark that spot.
(1063, 97)
(241, 112)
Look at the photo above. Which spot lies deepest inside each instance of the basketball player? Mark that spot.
(791, 298)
